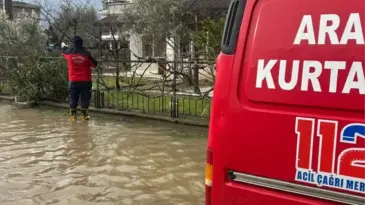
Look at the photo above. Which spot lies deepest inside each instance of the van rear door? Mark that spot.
(295, 131)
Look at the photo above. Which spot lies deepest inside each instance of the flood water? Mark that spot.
(46, 159)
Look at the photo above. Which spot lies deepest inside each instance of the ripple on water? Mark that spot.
(47, 160)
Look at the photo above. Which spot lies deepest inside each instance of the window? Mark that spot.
(152, 47)
(105, 30)
(147, 48)
(110, 30)
(159, 48)
(185, 46)
(113, 30)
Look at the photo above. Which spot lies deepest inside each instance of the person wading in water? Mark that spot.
(80, 62)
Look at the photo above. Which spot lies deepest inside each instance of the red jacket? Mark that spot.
(79, 67)
(79, 63)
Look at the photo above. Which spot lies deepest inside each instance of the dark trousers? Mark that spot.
(77, 90)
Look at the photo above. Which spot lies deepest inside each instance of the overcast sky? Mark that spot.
(96, 3)
(52, 4)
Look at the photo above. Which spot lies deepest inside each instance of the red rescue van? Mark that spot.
(288, 118)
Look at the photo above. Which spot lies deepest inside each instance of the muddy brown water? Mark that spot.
(46, 159)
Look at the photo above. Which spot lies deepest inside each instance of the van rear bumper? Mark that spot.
(250, 183)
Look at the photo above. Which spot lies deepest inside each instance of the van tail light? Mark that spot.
(208, 177)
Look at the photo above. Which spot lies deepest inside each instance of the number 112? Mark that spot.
(350, 162)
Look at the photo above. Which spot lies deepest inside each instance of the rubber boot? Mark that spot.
(85, 115)
(73, 115)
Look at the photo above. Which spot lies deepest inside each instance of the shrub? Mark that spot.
(34, 78)
(29, 74)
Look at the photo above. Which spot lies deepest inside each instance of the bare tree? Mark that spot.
(68, 20)
(116, 45)
(194, 44)
(149, 34)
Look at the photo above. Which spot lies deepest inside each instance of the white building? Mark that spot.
(23, 10)
(111, 7)
(139, 46)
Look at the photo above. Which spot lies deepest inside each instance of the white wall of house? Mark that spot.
(148, 69)
(115, 7)
(206, 74)
(170, 52)
(25, 11)
(145, 69)
(170, 49)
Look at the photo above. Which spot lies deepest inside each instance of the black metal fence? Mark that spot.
(133, 101)
(5, 88)
(150, 87)
(187, 106)
(143, 92)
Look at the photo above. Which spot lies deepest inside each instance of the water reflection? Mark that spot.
(45, 159)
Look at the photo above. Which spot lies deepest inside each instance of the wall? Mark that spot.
(113, 7)
(136, 48)
(136, 44)
(19, 12)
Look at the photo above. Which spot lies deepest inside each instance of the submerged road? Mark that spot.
(46, 159)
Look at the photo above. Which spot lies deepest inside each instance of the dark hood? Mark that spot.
(77, 42)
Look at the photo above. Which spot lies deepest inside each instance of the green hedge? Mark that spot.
(35, 78)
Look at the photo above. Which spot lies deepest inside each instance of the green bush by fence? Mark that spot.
(34, 78)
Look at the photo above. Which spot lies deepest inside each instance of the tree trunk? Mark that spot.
(174, 107)
(195, 68)
(117, 85)
(8, 6)
(196, 78)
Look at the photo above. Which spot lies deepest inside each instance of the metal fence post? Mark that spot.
(98, 99)
(174, 104)
(102, 100)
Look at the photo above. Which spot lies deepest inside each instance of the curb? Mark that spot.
(7, 98)
(115, 112)
(125, 113)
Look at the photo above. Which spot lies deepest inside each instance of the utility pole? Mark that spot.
(8, 8)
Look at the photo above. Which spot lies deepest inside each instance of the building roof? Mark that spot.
(21, 4)
(205, 8)
(198, 5)
(109, 19)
